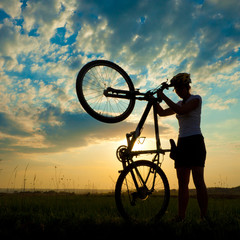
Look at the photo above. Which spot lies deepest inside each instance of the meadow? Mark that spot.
(65, 215)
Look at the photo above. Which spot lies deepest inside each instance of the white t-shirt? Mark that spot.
(189, 124)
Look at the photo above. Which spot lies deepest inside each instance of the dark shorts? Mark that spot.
(191, 152)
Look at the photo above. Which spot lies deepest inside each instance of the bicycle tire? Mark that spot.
(145, 211)
(93, 79)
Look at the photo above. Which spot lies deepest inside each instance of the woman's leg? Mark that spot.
(183, 193)
(202, 196)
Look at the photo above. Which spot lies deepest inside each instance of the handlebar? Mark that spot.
(116, 93)
(163, 86)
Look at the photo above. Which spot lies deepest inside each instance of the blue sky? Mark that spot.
(43, 45)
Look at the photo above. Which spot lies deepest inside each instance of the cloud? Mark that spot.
(218, 103)
(165, 42)
(141, 35)
(11, 7)
(9, 126)
(60, 131)
(43, 16)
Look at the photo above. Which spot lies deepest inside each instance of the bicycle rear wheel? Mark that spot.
(93, 79)
(148, 203)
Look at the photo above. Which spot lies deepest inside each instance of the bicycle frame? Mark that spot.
(133, 136)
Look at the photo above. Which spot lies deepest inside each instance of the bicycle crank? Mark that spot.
(121, 153)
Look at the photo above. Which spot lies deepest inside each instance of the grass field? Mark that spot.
(62, 215)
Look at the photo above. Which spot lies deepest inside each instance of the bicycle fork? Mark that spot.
(142, 191)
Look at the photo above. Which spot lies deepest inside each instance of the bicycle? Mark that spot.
(107, 93)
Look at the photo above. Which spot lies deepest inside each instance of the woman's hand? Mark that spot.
(160, 110)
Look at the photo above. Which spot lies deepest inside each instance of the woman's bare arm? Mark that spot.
(164, 112)
(184, 109)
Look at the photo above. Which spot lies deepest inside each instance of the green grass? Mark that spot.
(62, 215)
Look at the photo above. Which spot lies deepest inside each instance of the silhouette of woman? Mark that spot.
(190, 152)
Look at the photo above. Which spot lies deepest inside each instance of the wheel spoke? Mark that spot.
(98, 79)
(93, 79)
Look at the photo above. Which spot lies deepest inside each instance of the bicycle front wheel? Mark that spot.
(93, 79)
(149, 200)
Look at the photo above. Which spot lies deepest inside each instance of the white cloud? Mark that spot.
(94, 38)
(46, 16)
(157, 39)
(217, 103)
(11, 7)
